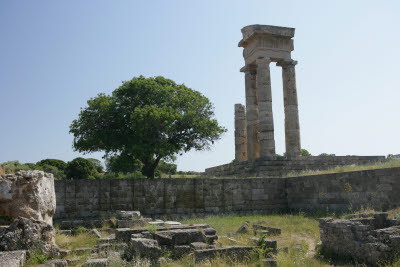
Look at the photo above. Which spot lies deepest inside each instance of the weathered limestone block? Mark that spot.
(240, 133)
(96, 263)
(55, 263)
(12, 258)
(147, 248)
(24, 234)
(28, 194)
(361, 238)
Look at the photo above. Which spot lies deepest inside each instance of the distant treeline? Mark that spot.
(84, 168)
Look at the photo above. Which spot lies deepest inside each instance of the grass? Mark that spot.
(300, 233)
(72, 242)
(349, 168)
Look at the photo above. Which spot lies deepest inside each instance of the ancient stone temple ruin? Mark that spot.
(263, 45)
(255, 153)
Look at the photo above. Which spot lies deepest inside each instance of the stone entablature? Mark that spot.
(372, 238)
(263, 44)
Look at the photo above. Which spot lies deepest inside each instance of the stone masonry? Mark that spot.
(371, 238)
(262, 45)
(240, 133)
(337, 191)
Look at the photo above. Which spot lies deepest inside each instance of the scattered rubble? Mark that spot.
(24, 234)
(371, 238)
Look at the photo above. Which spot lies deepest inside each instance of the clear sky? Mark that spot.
(55, 55)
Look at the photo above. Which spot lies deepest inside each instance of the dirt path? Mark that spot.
(310, 241)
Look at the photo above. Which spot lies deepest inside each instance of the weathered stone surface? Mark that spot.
(210, 238)
(244, 228)
(64, 253)
(179, 237)
(240, 133)
(12, 258)
(25, 234)
(199, 245)
(209, 231)
(55, 263)
(369, 240)
(28, 194)
(127, 215)
(95, 232)
(180, 251)
(96, 263)
(239, 253)
(147, 248)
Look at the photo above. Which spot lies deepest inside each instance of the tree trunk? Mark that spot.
(149, 167)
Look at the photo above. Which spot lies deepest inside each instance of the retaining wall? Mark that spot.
(379, 189)
(282, 166)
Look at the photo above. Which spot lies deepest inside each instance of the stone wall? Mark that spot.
(281, 166)
(91, 198)
(378, 189)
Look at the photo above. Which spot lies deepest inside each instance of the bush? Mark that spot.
(326, 155)
(59, 164)
(81, 168)
(58, 174)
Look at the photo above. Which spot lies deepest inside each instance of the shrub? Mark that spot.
(59, 164)
(81, 168)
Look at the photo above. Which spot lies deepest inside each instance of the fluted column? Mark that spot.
(292, 125)
(253, 147)
(265, 116)
(240, 133)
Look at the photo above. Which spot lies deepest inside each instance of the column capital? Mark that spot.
(249, 68)
(285, 63)
(264, 60)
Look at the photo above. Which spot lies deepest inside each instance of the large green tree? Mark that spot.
(148, 119)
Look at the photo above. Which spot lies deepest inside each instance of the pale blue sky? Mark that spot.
(55, 55)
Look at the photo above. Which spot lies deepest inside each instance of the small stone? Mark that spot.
(64, 253)
(244, 228)
(198, 245)
(209, 231)
(96, 233)
(170, 223)
(274, 231)
(211, 238)
(72, 261)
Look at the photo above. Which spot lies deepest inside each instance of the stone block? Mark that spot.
(210, 238)
(179, 251)
(55, 263)
(145, 248)
(12, 258)
(96, 263)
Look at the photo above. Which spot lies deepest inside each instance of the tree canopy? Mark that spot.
(146, 119)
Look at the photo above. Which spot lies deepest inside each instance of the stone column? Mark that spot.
(253, 147)
(240, 133)
(292, 126)
(265, 117)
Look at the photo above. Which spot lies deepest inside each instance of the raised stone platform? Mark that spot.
(281, 166)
